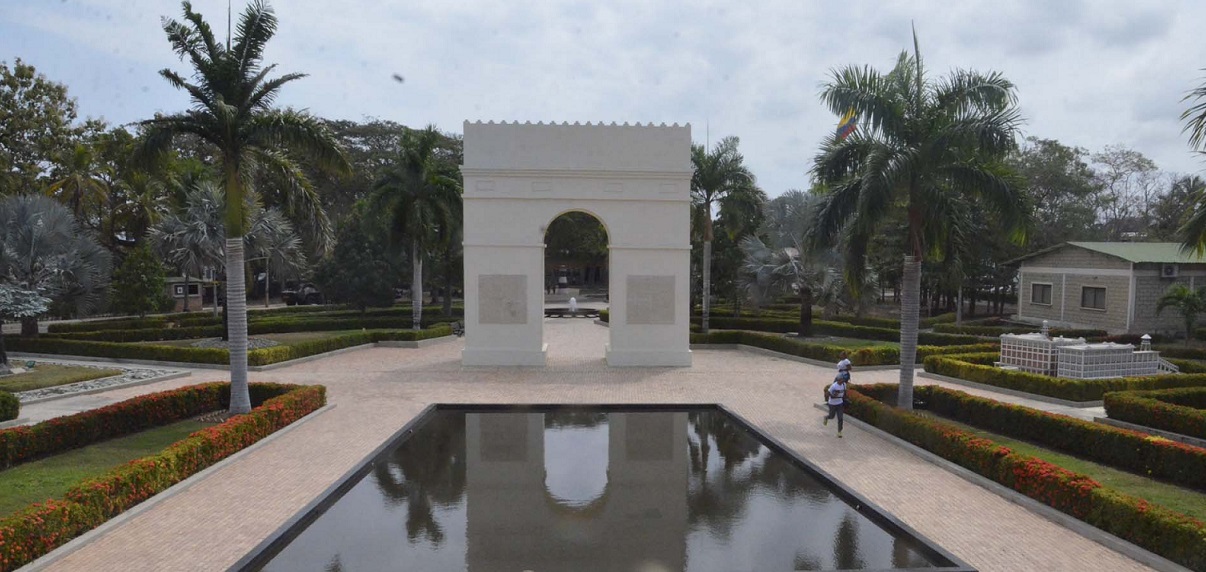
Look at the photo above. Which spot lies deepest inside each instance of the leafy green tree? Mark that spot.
(418, 196)
(139, 283)
(1174, 208)
(1187, 301)
(36, 117)
(1062, 188)
(1130, 183)
(927, 147)
(358, 271)
(44, 250)
(232, 113)
(721, 180)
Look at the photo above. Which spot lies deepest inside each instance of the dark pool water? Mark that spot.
(589, 490)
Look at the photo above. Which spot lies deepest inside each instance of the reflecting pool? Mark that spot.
(576, 489)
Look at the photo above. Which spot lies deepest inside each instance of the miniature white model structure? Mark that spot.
(1076, 359)
(635, 179)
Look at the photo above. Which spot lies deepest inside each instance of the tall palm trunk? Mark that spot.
(416, 287)
(3, 353)
(236, 307)
(910, 316)
(707, 268)
(805, 312)
(448, 269)
(186, 291)
(29, 327)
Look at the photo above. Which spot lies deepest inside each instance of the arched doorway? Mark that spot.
(635, 180)
(575, 259)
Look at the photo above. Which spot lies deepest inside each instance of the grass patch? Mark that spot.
(285, 338)
(50, 375)
(52, 477)
(1186, 501)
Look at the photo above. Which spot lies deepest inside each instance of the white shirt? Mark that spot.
(844, 365)
(839, 389)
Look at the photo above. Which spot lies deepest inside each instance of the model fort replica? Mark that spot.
(1077, 359)
(635, 179)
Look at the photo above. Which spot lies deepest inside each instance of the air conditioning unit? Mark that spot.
(1168, 270)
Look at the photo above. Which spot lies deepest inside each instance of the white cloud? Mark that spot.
(1088, 74)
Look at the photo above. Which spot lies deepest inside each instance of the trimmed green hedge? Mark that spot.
(1163, 531)
(42, 527)
(1178, 351)
(1188, 366)
(10, 406)
(1181, 410)
(1017, 329)
(875, 355)
(1128, 450)
(263, 356)
(963, 367)
(829, 328)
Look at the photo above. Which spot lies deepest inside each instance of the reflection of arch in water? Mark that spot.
(561, 498)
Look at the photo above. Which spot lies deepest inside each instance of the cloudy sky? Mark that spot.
(1088, 73)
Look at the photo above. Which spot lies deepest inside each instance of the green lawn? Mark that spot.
(846, 342)
(283, 338)
(50, 375)
(1186, 501)
(50, 478)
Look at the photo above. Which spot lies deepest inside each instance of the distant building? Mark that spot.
(177, 289)
(1113, 286)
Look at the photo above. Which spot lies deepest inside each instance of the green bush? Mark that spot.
(1183, 352)
(1188, 366)
(10, 406)
(973, 368)
(42, 527)
(875, 355)
(1181, 410)
(138, 284)
(116, 324)
(1163, 531)
(994, 330)
(932, 321)
(828, 328)
(277, 354)
(44, 345)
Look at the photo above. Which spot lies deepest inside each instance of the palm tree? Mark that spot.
(1195, 117)
(232, 112)
(44, 250)
(420, 198)
(927, 147)
(77, 183)
(1187, 301)
(720, 179)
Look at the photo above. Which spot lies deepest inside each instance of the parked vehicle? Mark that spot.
(303, 293)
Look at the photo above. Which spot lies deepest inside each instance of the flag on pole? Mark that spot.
(847, 125)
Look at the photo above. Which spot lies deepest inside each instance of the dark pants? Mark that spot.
(837, 410)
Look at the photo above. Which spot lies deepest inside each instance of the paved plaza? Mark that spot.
(375, 391)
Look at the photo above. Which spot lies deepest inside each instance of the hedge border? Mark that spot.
(1158, 529)
(1176, 410)
(965, 366)
(292, 314)
(42, 527)
(869, 356)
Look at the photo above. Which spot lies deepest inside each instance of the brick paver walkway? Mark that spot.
(375, 391)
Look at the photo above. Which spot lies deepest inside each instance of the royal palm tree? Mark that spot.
(232, 112)
(1188, 302)
(928, 147)
(420, 198)
(722, 180)
(1195, 117)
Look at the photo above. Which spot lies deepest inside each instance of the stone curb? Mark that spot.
(96, 533)
(14, 422)
(1152, 431)
(1070, 522)
(1013, 392)
(137, 382)
(216, 366)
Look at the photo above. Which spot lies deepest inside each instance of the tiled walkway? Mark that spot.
(375, 391)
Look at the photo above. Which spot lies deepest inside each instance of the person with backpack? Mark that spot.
(836, 394)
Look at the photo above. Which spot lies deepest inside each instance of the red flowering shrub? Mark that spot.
(1168, 533)
(27, 535)
(1180, 410)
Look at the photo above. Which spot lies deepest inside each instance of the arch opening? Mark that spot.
(576, 259)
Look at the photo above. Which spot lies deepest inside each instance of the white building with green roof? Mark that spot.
(1112, 286)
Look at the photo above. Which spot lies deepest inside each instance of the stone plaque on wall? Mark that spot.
(502, 298)
(650, 300)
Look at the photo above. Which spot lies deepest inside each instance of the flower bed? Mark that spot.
(1181, 410)
(875, 355)
(42, 527)
(260, 357)
(1163, 531)
(975, 368)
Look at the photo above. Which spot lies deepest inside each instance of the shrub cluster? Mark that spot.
(1128, 450)
(10, 406)
(843, 329)
(1181, 410)
(875, 355)
(1163, 531)
(997, 330)
(277, 354)
(973, 368)
(42, 527)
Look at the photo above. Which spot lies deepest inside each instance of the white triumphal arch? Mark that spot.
(635, 179)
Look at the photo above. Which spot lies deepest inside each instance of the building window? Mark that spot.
(1040, 294)
(194, 290)
(1092, 298)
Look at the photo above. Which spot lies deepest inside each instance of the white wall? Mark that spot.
(635, 179)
